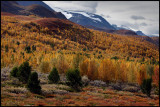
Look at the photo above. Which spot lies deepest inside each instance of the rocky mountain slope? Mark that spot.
(34, 9)
(27, 3)
(87, 19)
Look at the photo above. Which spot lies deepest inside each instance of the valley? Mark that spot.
(112, 65)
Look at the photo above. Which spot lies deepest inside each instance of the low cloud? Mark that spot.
(137, 17)
(151, 30)
(143, 24)
(89, 6)
(106, 16)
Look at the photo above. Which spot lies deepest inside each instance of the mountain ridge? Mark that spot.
(27, 3)
(34, 9)
(38, 9)
(87, 19)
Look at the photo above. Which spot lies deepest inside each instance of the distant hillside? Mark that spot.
(124, 32)
(87, 19)
(140, 33)
(40, 11)
(52, 32)
(11, 7)
(35, 9)
(29, 3)
(156, 40)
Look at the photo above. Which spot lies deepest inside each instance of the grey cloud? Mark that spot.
(106, 16)
(118, 10)
(140, 15)
(152, 30)
(152, 20)
(90, 6)
(156, 31)
(143, 24)
(137, 17)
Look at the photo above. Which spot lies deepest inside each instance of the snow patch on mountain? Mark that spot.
(85, 18)
(89, 15)
(122, 27)
(67, 14)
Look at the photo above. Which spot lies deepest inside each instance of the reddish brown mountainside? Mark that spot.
(156, 40)
(40, 11)
(14, 8)
(125, 32)
(54, 23)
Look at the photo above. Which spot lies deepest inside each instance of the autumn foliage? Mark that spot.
(141, 74)
(107, 71)
(73, 46)
(155, 76)
(44, 67)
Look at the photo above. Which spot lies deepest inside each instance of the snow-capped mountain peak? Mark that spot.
(68, 14)
(86, 19)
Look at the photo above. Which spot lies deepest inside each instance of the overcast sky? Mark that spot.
(137, 15)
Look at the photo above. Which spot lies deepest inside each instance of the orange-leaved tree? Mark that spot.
(155, 76)
(92, 72)
(141, 74)
(107, 71)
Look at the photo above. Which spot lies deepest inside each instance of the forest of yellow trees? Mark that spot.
(98, 55)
